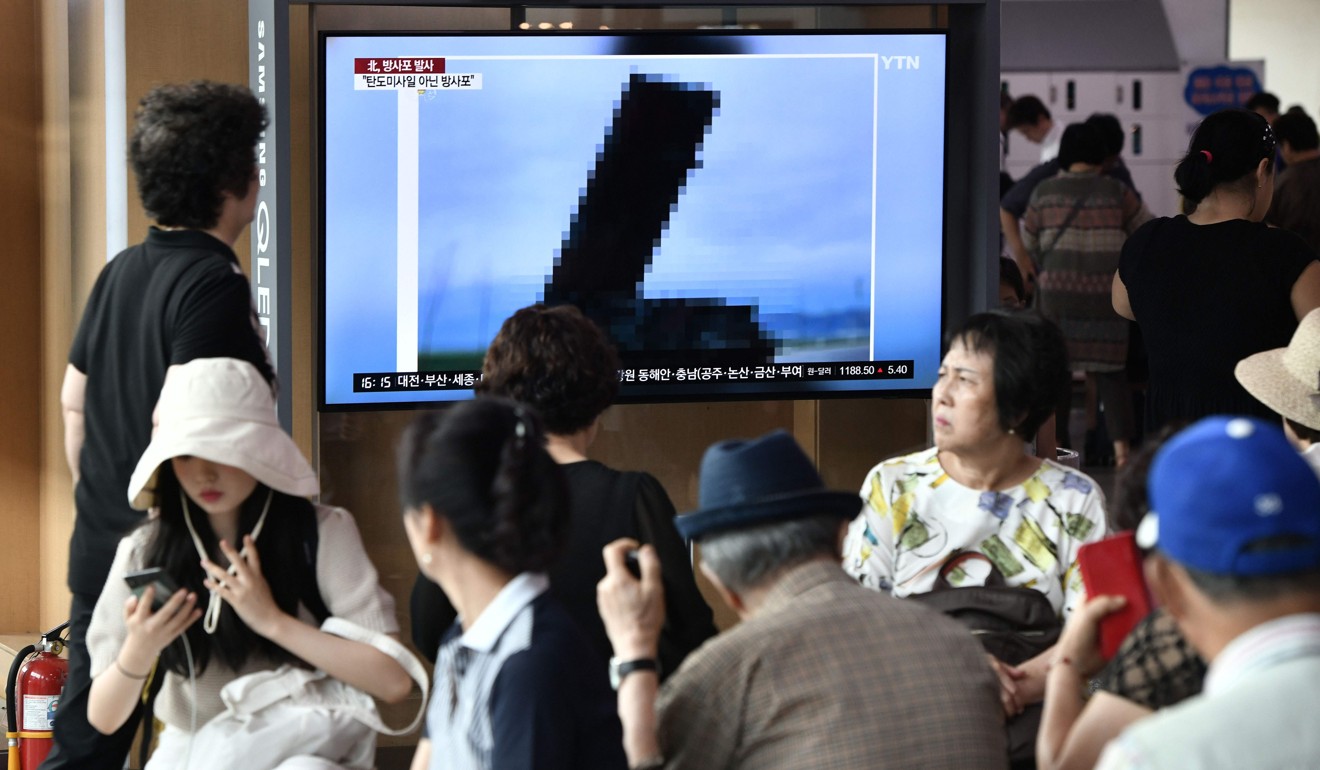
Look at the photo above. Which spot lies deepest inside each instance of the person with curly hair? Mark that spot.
(557, 361)
(179, 295)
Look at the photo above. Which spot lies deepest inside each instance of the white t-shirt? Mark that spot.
(1049, 146)
(1257, 709)
(915, 515)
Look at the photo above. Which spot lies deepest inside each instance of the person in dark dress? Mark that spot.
(560, 363)
(1214, 286)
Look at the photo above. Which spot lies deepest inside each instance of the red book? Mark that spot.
(1112, 567)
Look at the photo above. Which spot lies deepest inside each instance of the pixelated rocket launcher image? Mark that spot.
(641, 171)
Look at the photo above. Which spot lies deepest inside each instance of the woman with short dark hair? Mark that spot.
(978, 490)
(1214, 286)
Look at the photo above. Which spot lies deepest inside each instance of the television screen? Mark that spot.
(745, 214)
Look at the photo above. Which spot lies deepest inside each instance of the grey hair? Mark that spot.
(745, 559)
(1232, 589)
(1229, 589)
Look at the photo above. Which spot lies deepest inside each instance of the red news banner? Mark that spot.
(409, 72)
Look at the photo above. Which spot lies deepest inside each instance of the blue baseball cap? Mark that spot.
(1231, 496)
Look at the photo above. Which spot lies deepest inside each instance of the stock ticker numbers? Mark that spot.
(824, 372)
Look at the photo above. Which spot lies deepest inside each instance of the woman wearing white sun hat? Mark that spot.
(1287, 380)
(227, 486)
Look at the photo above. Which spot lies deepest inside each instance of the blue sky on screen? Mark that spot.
(785, 184)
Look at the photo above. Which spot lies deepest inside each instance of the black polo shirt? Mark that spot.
(178, 296)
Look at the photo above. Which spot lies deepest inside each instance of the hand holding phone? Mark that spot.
(1112, 567)
(148, 634)
(152, 576)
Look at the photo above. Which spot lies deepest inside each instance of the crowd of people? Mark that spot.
(557, 596)
(1093, 259)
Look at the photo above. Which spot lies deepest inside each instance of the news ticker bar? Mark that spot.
(367, 382)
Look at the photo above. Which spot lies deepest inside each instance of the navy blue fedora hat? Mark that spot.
(745, 483)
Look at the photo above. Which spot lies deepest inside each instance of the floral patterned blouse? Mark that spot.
(915, 515)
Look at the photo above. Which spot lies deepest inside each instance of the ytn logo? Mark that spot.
(901, 62)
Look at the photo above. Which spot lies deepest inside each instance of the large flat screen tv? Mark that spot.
(746, 215)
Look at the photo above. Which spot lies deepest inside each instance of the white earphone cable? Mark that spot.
(212, 619)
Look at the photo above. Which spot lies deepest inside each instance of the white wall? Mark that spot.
(1283, 33)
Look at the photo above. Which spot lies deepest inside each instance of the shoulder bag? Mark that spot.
(1014, 624)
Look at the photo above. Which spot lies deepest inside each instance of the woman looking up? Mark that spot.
(1214, 286)
(977, 490)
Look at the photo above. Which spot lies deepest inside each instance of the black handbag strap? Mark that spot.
(957, 559)
(1063, 228)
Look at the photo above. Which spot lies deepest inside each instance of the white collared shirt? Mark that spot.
(1257, 710)
(458, 721)
(512, 599)
(1312, 456)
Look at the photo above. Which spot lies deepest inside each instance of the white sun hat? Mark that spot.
(1287, 380)
(222, 410)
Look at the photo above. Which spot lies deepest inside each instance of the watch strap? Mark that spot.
(622, 668)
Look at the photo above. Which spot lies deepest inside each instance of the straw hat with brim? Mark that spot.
(746, 483)
(222, 410)
(1287, 380)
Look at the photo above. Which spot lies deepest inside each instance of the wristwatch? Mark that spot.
(622, 668)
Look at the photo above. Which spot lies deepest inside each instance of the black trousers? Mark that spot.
(78, 746)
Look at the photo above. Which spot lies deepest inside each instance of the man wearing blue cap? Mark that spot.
(1235, 516)
(822, 672)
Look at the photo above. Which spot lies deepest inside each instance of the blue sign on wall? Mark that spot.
(1210, 89)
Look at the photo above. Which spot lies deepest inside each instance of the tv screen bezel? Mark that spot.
(625, 395)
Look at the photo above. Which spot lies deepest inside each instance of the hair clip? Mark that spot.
(1269, 141)
(520, 426)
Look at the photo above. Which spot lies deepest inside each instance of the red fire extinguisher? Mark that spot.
(36, 679)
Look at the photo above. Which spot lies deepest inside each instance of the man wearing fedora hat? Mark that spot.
(821, 672)
(1235, 519)
(1287, 380)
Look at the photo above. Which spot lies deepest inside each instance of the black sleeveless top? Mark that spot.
(1205, 297)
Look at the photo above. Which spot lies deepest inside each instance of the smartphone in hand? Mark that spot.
(1112, 567)
(152, 576)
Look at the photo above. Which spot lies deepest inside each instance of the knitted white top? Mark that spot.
(348, 584)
